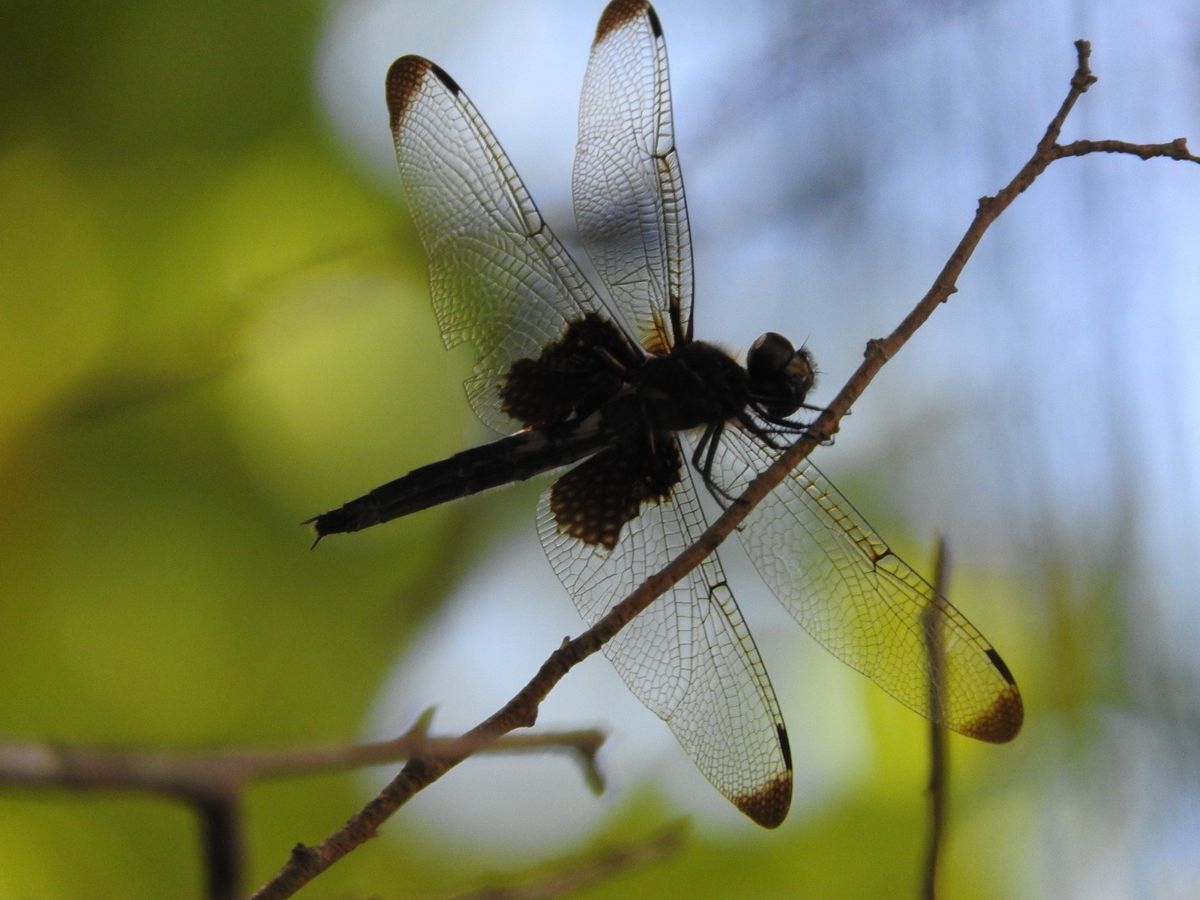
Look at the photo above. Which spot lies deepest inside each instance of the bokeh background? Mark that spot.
(214, 322)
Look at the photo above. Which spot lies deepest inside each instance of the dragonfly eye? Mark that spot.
(780, 375)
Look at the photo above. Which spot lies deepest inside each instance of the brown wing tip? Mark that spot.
(1001, 723)
(620, 12)
(404, 79)
(768, 806)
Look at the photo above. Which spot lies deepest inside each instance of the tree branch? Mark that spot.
(212, 784)
(189, 775)
(306, 863)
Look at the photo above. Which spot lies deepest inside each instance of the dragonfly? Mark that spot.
(606, 382)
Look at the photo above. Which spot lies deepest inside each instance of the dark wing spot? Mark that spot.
(593, 501)
(768, 806)
(620, 12)
(571, 378)
(403, 81)
(1001, 722)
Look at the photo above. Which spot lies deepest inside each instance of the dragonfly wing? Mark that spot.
(501, 281)
(689, 656)
(863, 603)
(628, 188)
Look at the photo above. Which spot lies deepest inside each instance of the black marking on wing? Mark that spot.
(1001, 665)
(784, 745)
(572, 377)
(444, 78)
(596, 499)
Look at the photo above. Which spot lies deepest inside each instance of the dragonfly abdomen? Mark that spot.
(514, 458)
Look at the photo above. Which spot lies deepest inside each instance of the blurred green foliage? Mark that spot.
(190, 363)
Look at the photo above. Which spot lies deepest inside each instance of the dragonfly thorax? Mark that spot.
(696, 385)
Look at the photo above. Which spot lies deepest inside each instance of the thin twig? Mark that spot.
(939, 759)
(193, 774)
(1176, 149)
(212, 784)
(306, 862)
(573, 876)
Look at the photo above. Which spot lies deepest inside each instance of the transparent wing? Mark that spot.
(863, 603)
(500, 279)
(628, 189)
(689, 656)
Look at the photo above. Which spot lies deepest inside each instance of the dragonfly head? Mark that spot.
(780, 375)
